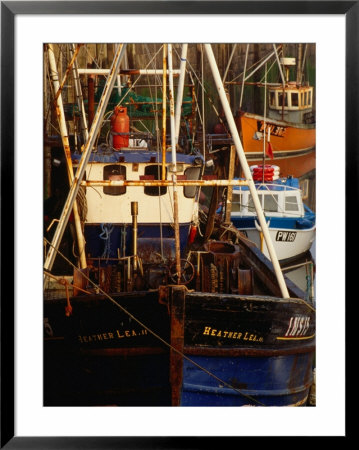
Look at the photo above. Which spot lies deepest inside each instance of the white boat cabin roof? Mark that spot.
(279, 198)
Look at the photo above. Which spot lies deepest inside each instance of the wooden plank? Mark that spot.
(177, 312)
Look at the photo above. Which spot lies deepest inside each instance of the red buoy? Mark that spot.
(120, 123)
(192, 234)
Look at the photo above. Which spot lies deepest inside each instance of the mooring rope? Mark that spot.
(106, 236)
(155, 334)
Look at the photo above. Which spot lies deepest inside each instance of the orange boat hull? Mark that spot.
(293, 146)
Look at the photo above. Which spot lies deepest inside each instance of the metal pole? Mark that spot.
(134, 213)
(174, 166)
(279, 65)
(232, 157)
(85, 158)
(164, 111)
(303, 61)
(244, 76)
(91, 98)
(180, 90)
(260, 65)
(65, 142)
(203, 111)
(90, 71)
(245, 167)
(73, 58)
(152, 183)
(264, 120)
(229, 63)
(79, 97)
(299, 64)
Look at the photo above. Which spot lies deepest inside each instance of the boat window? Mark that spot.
(295, 99)
(272, 98)
(236, 202)
(251, 207)
(155, 172)
(280, 99)
(270, 203)
(114, 172)
(291, 203)
(302, 99)
(305, 98)
(191, 173)
(310, 98)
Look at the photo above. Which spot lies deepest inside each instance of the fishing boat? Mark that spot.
(161, 310)
(289, 121)
(291, 223)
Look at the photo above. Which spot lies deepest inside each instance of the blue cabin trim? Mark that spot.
(288, 223)
(136, 156)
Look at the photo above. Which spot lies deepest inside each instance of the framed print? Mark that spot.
(182, 219)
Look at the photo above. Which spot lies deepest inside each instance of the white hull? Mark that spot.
(293, 246)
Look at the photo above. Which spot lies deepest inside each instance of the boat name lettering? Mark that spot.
(286, 236)
(275, 130)
(117, 334)
(298, 326)
(245, 336)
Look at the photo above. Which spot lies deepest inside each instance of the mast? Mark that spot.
(164, 112)
(79, 97)
(279, 66)
(174, 166)
(264, 119)
(65, 142)
(299, 64)
(231, 166)
(180, 90)
(245, 167)
(229, 63)
(244, 77)
(110, 82)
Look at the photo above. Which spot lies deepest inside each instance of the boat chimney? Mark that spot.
(134, 213)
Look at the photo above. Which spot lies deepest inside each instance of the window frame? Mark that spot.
(114, 190)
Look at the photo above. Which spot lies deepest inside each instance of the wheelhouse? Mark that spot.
(277, 200)
(111, 204)
(292, 98)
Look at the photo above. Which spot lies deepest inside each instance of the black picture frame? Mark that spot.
(9, 9)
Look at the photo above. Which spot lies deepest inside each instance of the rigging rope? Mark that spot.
(153, 333)
(106, 236)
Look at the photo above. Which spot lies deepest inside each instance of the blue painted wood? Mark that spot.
(269, 381)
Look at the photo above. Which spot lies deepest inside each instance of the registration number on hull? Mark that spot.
(286, 236)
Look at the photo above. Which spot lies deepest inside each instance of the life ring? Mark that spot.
(265, 173)
(267, 168)
(269, 177)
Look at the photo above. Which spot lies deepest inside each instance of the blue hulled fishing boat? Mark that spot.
(291, 223)
(162, 308)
